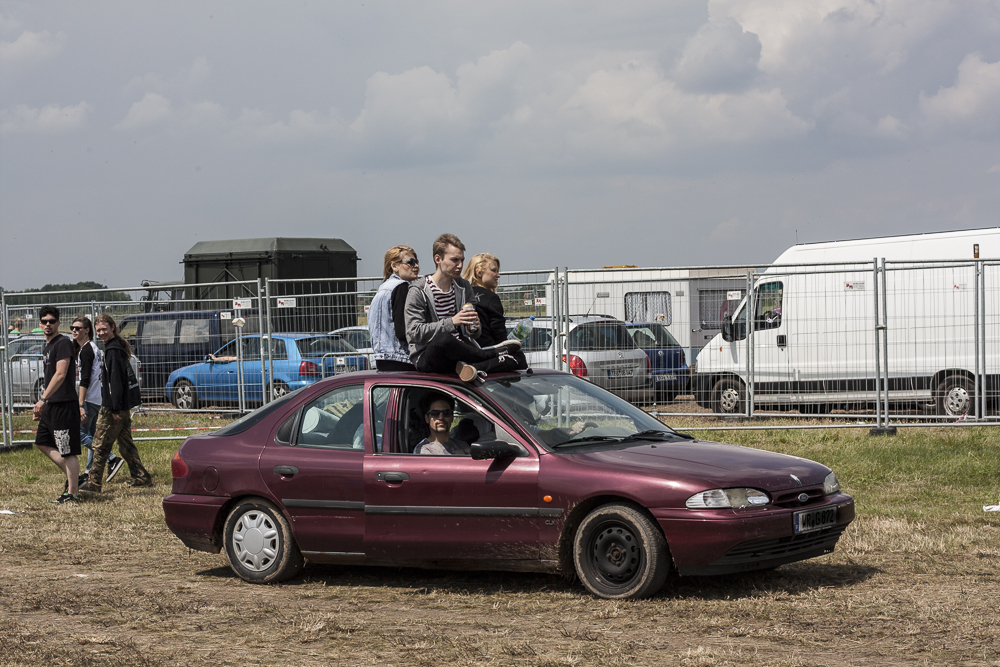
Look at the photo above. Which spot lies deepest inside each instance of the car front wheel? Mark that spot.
(184, 395)
(957, 394)
(620, 554)
(259, 543)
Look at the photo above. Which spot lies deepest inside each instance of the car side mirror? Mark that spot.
(208, 358)
(727, 328)
(494, 449)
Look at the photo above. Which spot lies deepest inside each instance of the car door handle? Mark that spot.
(393, 477)
(782, 341)
(286, 471)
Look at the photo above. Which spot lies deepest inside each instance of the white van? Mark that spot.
(813, 327)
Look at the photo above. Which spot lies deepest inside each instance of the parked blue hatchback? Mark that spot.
(297, 360)
(667, 361)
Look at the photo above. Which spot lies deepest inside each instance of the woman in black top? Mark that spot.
(483, 273)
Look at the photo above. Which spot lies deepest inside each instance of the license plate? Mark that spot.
(619, 372)
(810, 520)
(669, 376)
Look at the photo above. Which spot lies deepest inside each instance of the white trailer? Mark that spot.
(811, 339)
(691, 302)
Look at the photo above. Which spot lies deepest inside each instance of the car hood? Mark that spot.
(707, 464)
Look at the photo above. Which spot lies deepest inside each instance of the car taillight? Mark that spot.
(177, 466)
(649, 366)
(576, 366)
(308, 368)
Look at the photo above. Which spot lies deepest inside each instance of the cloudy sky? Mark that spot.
(581, 134)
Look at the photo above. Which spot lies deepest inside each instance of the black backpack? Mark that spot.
(133, 394)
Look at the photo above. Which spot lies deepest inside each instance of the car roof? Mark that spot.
(358, 327)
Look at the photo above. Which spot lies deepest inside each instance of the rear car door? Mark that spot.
(448, 508)
(313, 466)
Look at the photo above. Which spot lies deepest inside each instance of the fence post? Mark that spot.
(565, 318)
(261, 315)
(882, 379)
(750, 310)
(6, 408)
(982, 342)
(269, 386)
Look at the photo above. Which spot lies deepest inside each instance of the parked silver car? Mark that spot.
(359, 338)
(26, 368)
(600, 350)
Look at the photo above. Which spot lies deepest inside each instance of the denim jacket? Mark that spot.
(385, 344)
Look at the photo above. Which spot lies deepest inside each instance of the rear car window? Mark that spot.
(594, 336)
(158, 332)
(317, 347)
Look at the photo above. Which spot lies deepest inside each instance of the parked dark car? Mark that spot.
(563, 477)
(167, 340)
(667, 361)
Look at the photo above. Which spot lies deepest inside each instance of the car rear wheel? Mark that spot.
(184, 395)
(729, 397)
(259, 543)
(279, 388)
(620, 554)
(36, 392)
(956, 396)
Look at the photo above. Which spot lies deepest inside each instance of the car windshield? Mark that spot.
(652, 335)
(563, 411)
(317, 347)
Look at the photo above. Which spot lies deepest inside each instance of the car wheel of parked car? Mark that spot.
(729, 397)
(36, 392)
(280, 389)
(956, 396)
(259, 543)
(620, 554)
(185, 397)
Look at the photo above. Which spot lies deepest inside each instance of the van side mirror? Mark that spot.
(727, 328)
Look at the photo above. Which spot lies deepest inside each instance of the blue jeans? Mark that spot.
(87, 430)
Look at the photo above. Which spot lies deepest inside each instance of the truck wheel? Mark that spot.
(729, 397)
(956, 396)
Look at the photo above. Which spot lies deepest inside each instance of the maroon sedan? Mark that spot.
(538, 471)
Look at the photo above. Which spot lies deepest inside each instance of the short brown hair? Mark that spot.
(474, 267)
(442, 242)
(393, 255)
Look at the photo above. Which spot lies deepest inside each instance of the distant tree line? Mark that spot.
(63, 298)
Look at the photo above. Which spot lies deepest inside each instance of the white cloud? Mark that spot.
(152, 109)
(973, 103)
(47, 120)
(31, 47)
(719, 57)
(300, 127)
(731, 231)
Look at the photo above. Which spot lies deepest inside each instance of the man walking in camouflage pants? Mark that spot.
(114, 421)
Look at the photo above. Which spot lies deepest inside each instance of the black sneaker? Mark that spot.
(66, 498)
(506, 346)
(114, 467)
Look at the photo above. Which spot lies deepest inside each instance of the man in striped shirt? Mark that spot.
(440, 333)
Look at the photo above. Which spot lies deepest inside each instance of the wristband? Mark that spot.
(44, 400)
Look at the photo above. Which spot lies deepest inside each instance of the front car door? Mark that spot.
(447, 508)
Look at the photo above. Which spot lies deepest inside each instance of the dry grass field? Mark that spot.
(913, 582)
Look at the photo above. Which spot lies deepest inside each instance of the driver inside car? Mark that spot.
(439, 412)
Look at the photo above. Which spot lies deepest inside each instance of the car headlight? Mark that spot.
(831, 484)
(735, 498)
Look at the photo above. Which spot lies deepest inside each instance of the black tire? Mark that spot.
(956, 396)
(620, 554)
(729, 397)
(36, 392)
(280, 389)
(184, 396)
(259, 543)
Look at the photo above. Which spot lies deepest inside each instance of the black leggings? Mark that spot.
(441, 357)
(390, 365)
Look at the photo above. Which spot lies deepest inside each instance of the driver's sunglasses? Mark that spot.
(437, 414)
(411, 262)
(47, 323)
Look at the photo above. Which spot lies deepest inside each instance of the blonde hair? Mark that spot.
(393, 255)
(474, 267)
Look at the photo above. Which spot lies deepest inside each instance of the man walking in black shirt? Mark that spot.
(56, 411)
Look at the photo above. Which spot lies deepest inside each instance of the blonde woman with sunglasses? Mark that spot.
(386, 322)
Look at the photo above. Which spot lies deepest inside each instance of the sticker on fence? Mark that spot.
(242, 303)
(286, 302)
(855, 286)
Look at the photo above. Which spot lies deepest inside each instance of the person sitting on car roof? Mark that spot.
(439, 412)
(440, 333)
(386, 319)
